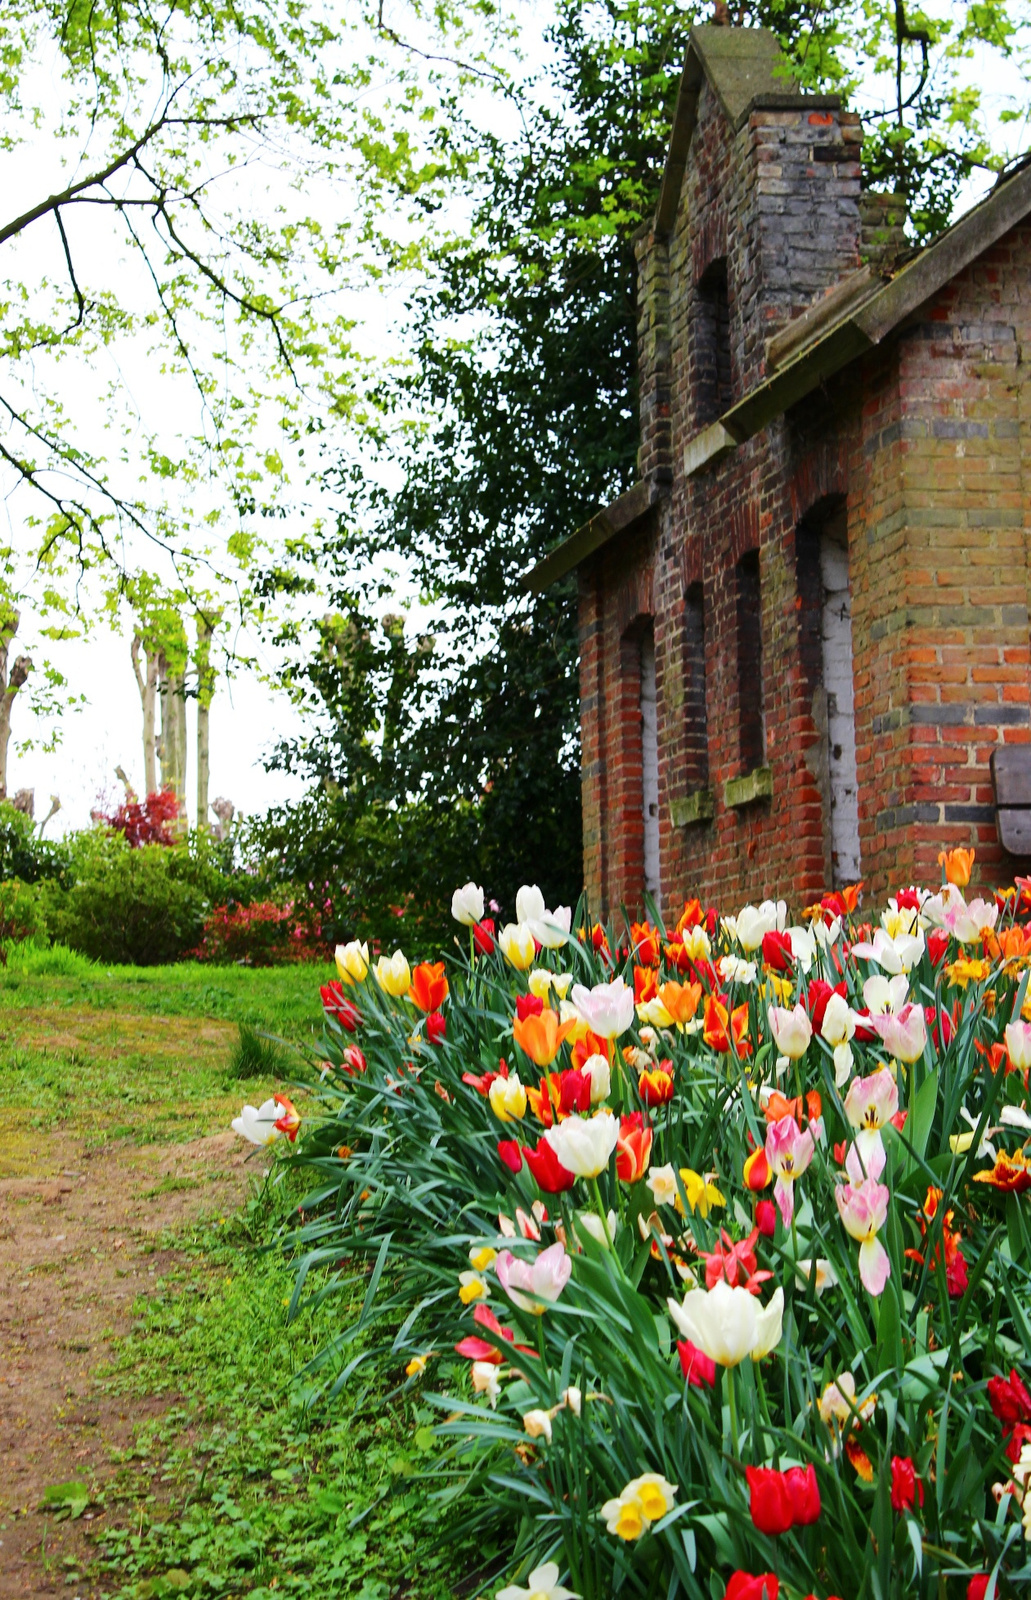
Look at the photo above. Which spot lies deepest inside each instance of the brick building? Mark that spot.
(805, 628)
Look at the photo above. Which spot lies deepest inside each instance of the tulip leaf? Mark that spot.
(889, 1330)
(921, 1117)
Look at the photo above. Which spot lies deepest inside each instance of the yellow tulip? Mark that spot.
(517, 945)
(352, 961)
(393, 974)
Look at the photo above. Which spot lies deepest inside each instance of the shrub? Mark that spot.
(21, 916)
(136, 906)
(712, 1247)
(259, 935)
(150, 821)
(23, 854)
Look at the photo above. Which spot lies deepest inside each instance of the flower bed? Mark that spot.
(711, 1247)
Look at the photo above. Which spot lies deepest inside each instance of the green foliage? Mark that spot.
(142, 907)
(256, 1055)
(23, 854)
(259, 1493)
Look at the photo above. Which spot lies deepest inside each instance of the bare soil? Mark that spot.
(82, 1235)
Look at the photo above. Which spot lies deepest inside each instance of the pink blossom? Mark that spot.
(792, 1030)
(863, 1208)
(789, 1151)
(903, 1033)
(531, 1283)
(869, 1105)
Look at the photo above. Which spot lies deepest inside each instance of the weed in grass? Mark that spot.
(256, 1055)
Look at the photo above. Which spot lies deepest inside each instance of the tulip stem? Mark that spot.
(731, 1408)
(601, 1211)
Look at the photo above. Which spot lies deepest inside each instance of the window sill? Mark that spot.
(755, 785)
(697, 807)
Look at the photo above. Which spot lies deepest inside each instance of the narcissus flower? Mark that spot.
(1012, 1174)
(352, 961)
(471, 1286)
(633, 1148)
(607, 1009)
(537, 1424)
(429, 986)
(541, 1036)
(702, 1194)
(863, 1209)
(533, 1284)
(517, 945)
(584, 1144)
(467, 905)
(417, 1366)
(542, 1584)
(645, 1500)
(508, 1098)
(393, 974)
(485, 1380)
(729, 1324)
(258, 1124)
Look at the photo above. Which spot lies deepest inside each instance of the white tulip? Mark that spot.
(729, 1324)
(600, 1074)
(583, 1145)
(607, 1009)
(258, 1125)
(467, 905)
(838, 1023)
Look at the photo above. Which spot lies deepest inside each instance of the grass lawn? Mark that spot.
(228, 1480)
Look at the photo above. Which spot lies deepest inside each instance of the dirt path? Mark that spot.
(80, 1239)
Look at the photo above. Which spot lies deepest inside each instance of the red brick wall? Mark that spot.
(923, 438)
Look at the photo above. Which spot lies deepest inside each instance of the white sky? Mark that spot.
(247, 716)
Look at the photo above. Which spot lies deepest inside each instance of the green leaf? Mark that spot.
(72, 1498)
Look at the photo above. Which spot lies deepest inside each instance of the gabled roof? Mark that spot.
(850, 319)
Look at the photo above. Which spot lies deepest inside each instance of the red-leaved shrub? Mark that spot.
(143, 822)
(260, 935)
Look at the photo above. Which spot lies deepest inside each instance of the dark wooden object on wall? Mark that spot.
(1011, 781)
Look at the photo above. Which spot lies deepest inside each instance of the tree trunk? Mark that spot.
(147, 683)
(9, 686)
(205, 690)
(172, 744)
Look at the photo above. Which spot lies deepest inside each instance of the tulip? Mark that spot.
(1011, 1174)
(597, 1068)
(716, 1018)
(791, 1030)
(838, 1025)
(655, 1087)
(967, 922)
(844, 1061)
(335, 1004)
(532, 1284)
(753, 922)
(838, 1403)
(766, 1218)
(289, 1119)
(697, 1367)
(1018, 1045)
(602, 1232)
(789, 1151)
(728, 1324)
(548, 1172)
(758, 1171)
(733, 969)
(863, 1209)
(885, 994)
(1009, 1399)
(352, 961)
(957, 864)
(483, 936)
(353, 1060)
(258, 1125)
(870, 1105)
(644, 940)
(508, 1150)
(393, 974)
(681, 1000)
(892, 955)
(633, 1148)
(906, 1487)
(607, 1009)
(776, 949)
(436, 1027)
(769, 1500)
(549, 928)
(429, 987)
(543, 1585)
(485, 1380)
(825, 1275)
(903, 1033)
(539, 984)
(541, 1036)
(467, 905)
(745, 1586)
(654, 1013)
(517, 945)
(583, 1145)
(508, 1098)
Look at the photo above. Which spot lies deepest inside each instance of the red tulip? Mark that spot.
(549, 1172)
(353, 1060)
(574, 1091)
(429, 986)
(777, 951)
(805, 1494)
(1009, 1398)
(937, 945)
(436, 1027)
(528, 1005)
(633, 1148)
(483, 936)
(906, 1487)
(978, 1585)
(336, 1004)
(743, 1586)
(696, 1366)
(769, 1503)
(508, 1150)
(816, 997)
(766, 1218)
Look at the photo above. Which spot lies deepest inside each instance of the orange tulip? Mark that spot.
(715, 1030)
(1012, 1174)
(690, 917)
(957, 864)
(587, 1045)
(633, 1148)
(1010, 944)
(778, 1106)
(655, 1087)
(680, 999)
(645, 942)
(544, 1102)
(646, 981)
(541, 1037)
(429, 986)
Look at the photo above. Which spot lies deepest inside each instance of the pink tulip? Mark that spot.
(789, 1151)
(863, 1208)
(903, 1033)
(531, 1283)
(1018, 1045)
(870, 1105)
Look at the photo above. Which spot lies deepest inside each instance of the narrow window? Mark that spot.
(695, 724)
(649, 765)
(751, 708)
(712, 330)
(825, 642)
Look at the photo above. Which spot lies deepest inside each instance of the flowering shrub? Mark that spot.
(150, 821)
(261, 935)
(711, 1244)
